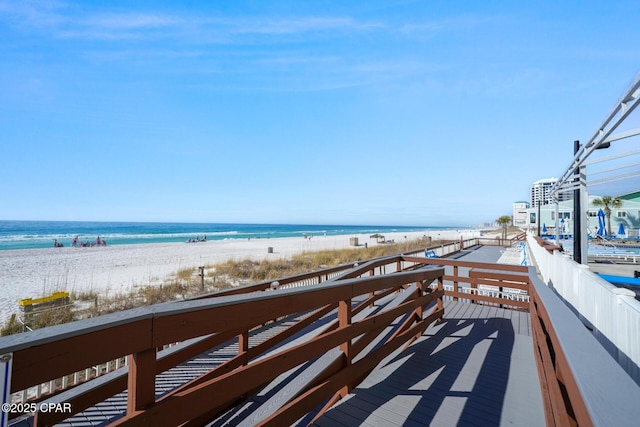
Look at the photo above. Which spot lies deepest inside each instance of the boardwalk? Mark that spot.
(474, 368)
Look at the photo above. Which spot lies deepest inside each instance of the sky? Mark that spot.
(325, 112)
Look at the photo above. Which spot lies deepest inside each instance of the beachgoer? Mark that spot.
(75, 242)
(98, 240)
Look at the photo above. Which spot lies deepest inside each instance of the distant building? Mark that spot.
(634, 196)
(628, 215)
(520, 214)
(540, 192)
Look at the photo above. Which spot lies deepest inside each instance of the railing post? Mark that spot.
(418, 313)
(455, 281)
(344, 320)
(141, 380)
(440, 304)
(472, 285)
(243, 344)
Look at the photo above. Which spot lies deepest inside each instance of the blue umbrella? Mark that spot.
(544, 228)
(601, 231)
(563, 228)
(621, 229)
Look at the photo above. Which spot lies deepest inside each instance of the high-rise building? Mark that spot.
(540, 192)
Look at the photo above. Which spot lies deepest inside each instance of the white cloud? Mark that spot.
(132, 21)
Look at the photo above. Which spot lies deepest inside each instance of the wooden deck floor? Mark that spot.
(476, 368)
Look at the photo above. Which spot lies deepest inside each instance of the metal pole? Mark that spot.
(538, 219)
(584, 242)
(577, 234)
(557, 223)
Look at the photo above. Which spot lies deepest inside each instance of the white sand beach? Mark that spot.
(111, 270)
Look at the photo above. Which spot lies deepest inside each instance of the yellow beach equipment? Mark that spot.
(56, 297)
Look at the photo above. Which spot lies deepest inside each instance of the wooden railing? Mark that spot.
(43, 355)
(41, 391)
(475, 282)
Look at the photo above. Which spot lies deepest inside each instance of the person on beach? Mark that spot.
(98, 240)
(75, 242)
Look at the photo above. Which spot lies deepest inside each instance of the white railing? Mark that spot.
(612, 313)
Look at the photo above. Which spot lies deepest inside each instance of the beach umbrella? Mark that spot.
(563, 226)
(601, 230)
(544, 228)
(621, 229)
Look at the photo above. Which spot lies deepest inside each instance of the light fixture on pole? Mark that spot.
(580, 249)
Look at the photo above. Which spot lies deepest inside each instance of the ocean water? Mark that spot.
(41, 234)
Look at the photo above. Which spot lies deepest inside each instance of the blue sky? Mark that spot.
(393, 113)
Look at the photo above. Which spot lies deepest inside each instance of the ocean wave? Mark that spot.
(81, 236)
(25, 235)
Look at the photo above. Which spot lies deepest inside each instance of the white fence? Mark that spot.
(612, 313)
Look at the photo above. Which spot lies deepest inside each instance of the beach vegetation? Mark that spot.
(248, 270)
(50, 317)
(185, 274)
(90, 295)
(504, 221)
(187, 282)
(12, 326)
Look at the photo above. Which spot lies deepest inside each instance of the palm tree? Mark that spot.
(608, 202)
(504, 220)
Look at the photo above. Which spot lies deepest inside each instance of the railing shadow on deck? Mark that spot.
(429, 372)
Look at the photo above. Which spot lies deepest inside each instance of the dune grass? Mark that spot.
(257, 271)
(187, 282)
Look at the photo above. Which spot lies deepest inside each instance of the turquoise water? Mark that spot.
(41, 234)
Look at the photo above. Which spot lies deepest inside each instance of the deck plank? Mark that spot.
(474, 368)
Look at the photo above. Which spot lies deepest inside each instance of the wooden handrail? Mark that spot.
(140, 332)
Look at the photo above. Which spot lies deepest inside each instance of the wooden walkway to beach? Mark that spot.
(476, 368)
